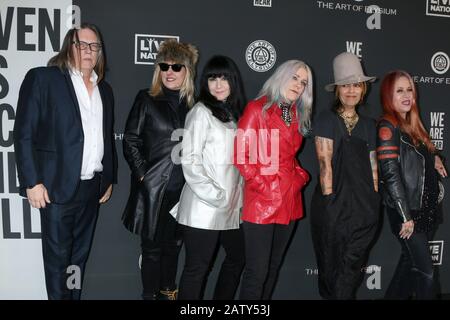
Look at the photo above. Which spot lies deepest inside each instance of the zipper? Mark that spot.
(401, 210)
(423, 162)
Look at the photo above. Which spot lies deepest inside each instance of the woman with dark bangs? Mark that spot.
(409, 165)
(211, 200)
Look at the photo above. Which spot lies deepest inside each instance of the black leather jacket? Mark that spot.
(402, 170)
(147, 147)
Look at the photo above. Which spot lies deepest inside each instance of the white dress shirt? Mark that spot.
(91, 110)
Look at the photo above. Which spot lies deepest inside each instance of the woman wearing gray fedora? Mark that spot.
(345, 204)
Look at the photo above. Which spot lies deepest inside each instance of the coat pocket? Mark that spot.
(265, 186)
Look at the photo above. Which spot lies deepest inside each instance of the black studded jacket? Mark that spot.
(402, 170)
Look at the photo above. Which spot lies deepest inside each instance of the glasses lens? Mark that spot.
(95, 46)
(177, 67)
(164, 66)
(81, 45)
(92, 46)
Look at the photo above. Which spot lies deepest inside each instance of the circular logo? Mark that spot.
(385, 133)
(440, 62)
(260, 55)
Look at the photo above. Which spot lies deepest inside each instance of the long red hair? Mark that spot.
(411, 125)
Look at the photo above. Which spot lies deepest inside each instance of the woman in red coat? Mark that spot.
(269, 136)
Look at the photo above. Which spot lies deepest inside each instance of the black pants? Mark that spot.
(67, 232)
(265, 246)
(160, 255)
(414, 273)
(201, 245)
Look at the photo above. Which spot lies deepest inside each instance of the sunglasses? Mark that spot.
(176, 67)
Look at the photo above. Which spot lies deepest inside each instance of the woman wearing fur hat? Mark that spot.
(269, 137)
(345, 204)
(211, 201)
(156, 181)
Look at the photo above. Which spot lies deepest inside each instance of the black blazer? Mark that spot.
(48, 134)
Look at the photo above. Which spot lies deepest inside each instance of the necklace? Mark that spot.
(286, 113)
(349, 120)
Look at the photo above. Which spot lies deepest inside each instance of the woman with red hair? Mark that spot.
(409, 164)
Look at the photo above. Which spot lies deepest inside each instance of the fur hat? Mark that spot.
(178, 52)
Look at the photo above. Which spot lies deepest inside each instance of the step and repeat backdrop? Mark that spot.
(259, 35)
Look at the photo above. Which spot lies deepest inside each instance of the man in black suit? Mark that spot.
(65, 152)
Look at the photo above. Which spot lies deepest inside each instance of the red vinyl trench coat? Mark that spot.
(265, 151)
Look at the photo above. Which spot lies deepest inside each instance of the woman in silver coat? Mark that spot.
(210, 203)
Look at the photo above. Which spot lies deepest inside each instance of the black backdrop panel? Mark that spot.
(401, 36)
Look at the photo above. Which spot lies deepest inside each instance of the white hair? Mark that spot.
(274, 87)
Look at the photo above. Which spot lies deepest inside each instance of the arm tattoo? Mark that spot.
(324, 150)
(319, 143)
(374, 165)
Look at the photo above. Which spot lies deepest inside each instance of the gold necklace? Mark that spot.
(350, 121)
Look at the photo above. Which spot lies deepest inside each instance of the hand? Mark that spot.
(107, 195)
(38, 196)
(407, 229)
(439, 166)
(304, 174)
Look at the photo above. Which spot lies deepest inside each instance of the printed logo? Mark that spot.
(147, 46)
(74, 279)
(436, 250)
(355, 48)
(262, 3)
(261, 55)
(440, 8)
(373, 281)
(440, 62)
(437, 129)
(312, 271)
(385, 134)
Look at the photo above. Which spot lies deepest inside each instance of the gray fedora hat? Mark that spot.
(347, 69)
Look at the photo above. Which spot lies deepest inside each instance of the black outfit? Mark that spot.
(343, 224)
(49, 139)
(201, 245)
(147, 148)
(410, 188)
(265, 246)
